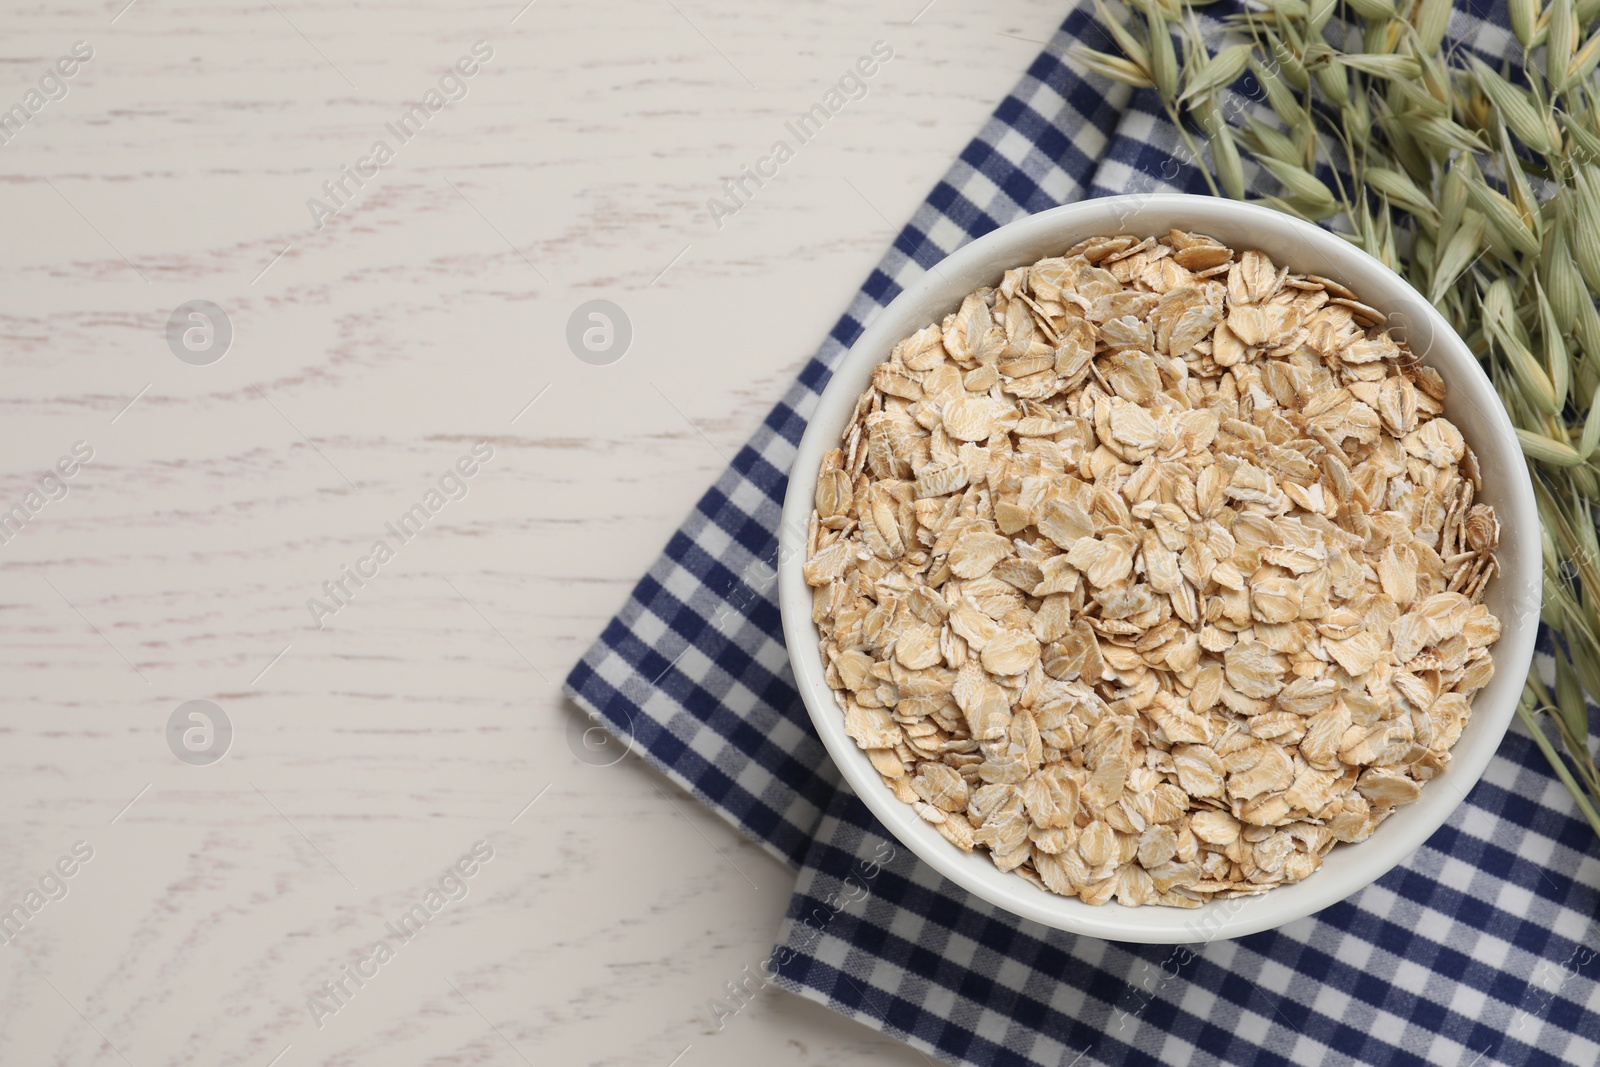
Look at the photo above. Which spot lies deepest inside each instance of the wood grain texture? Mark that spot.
(423, 317)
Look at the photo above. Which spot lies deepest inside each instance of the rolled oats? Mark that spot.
(1154, 572)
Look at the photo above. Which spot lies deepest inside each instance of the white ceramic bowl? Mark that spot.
(1471, 405)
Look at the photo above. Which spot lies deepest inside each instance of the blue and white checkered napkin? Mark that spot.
(1479, 949)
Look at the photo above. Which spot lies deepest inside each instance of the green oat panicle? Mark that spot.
(1479, 184)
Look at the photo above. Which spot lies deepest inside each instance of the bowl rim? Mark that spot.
(1435, 343)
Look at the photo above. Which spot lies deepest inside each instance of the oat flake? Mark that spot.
(1154, 572)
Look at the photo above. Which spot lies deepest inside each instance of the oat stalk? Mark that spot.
(1479, 185)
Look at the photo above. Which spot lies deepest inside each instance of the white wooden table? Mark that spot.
(368, 354)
